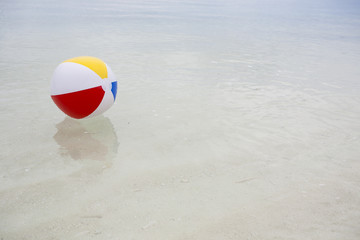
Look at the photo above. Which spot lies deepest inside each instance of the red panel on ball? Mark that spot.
(79, 104)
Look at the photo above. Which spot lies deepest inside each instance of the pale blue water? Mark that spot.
(233, 120)
(304, 43)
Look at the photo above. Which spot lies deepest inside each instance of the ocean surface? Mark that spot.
(233, 120)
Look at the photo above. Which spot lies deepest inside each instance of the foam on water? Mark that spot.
(233, 120)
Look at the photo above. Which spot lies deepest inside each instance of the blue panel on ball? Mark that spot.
(114, 89)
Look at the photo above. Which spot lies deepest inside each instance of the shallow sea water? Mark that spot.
(233, 120)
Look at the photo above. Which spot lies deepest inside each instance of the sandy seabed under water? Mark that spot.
(238, 161)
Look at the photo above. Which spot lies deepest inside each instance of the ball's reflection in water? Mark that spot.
(93, 138)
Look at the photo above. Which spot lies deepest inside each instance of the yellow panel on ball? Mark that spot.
(95, 64)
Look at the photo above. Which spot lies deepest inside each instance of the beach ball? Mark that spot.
(83, 87)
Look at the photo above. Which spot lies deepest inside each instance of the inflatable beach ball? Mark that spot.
(83, 87)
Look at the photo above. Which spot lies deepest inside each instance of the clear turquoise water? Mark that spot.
(230, 115)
